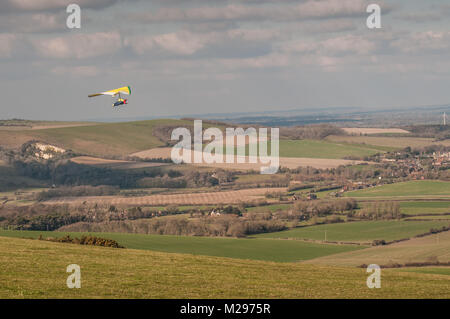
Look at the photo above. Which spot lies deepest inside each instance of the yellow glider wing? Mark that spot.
(122, 90)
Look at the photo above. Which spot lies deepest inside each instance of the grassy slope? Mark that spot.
(129, 137)
(388, 141)
(414, 250)
(325, 149)
(415, 208)
(108, 139)
(411, 188)
(102, 139)
(433, 217)
(419, 207)
(359, 231)
(429, 270)
(257, 249)
(36, 269)
(318, 149)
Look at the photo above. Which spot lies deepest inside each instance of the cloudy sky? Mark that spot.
(220, 56)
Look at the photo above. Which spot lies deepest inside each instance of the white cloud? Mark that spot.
(347, 44)
(77, 71)
(183, 43)
(423, 41)
(79, 46)
(187, 42)
(311, 9)
(8, 42)
(343, 45)
(50, 5)
(33, 22)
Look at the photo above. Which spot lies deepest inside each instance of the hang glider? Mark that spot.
(123, 90)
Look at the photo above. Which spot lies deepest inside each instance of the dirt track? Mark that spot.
(211, 198)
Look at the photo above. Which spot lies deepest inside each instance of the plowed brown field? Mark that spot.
(211, 198)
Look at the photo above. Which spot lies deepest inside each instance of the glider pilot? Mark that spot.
(115, 92)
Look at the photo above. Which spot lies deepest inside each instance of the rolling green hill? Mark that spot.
(120, 139)
(424, 207)
(416, 208)
(257, 249)
(359, 231)
(37, 269)
(326, 149)
(106, 139)
(411, 188)
(424, 249)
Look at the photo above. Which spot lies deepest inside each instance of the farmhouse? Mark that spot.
(214, 213)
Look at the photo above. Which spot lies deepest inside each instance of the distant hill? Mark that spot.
(151, 274)
(106, 139)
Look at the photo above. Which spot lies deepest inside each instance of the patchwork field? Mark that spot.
(289, 162)
(326, 149)
(432, 217)
(207, 198)
(429, 248)
(387, 141)
(365, 231)
(297, 263)
(125, 273)
(410, 188)
(413, 208)
(372, 130)
(427, 207)
(256, 249)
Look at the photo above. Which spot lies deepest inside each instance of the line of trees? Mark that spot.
(222, 226)
(380, 210)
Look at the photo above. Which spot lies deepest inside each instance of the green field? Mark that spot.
(119, 139)
(359, 231)
(395, 142)
(430, 217)
(421, 208)
(256, 249)
(108, 139)
(430, 248)
(410, 188)
(37, 269)
(325, 149)
(101, 139)
(412, 208)
(318, 149)
(429, 270)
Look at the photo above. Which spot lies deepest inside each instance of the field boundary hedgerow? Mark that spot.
(411, 264)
